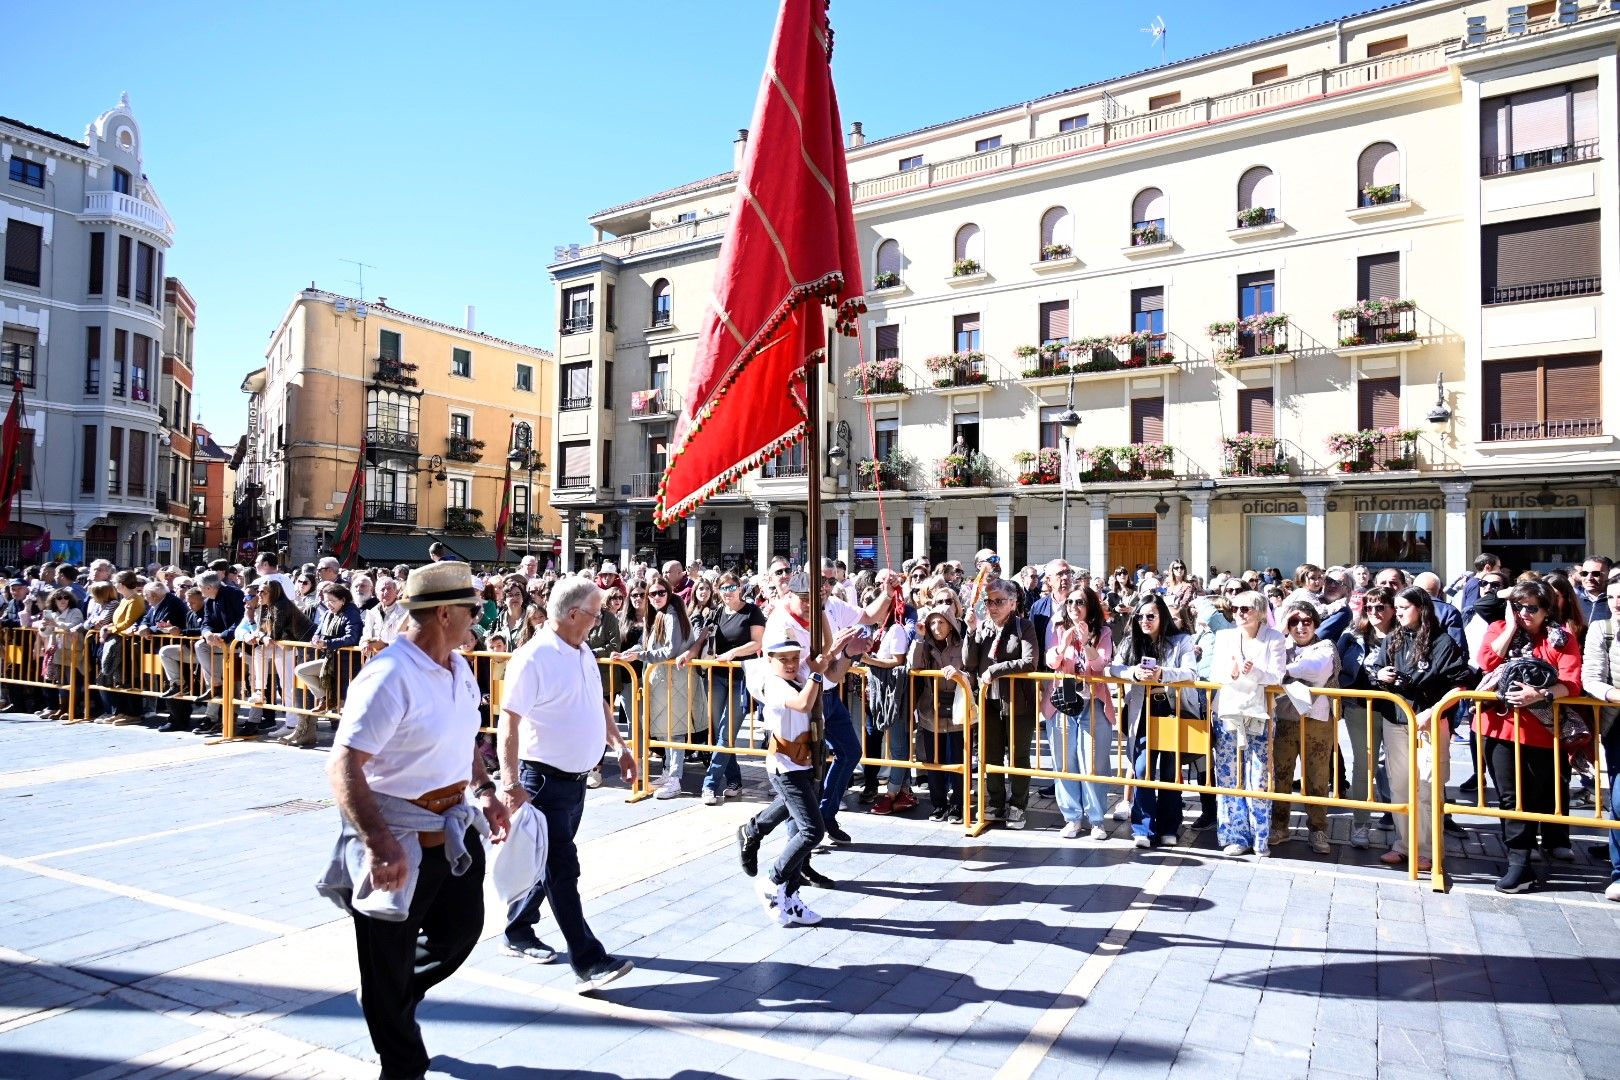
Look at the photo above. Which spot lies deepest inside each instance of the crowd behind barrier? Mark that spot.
(1337, 691)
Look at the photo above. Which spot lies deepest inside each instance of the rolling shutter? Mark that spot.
(1539, 119)
(888, 341)
(1572, 388)
(1145, 300)
(1540, 250)
(1054, 321)
(1255, 413)
(1512, 392)
(1147, 420)
(1149, 205)
(1257, 187)
(888, 257)
(1378, 276)
(1378, 403)
(576, 461)
(1055, 226)
(1379, 165)
(1583, 111)
(24, 243)
(967, 242)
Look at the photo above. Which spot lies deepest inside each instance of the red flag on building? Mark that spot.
(789, 250)
(346, 546)
(503, 520)
(10, 451)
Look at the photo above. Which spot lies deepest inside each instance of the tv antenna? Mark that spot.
(1159, 32)
(359, 280)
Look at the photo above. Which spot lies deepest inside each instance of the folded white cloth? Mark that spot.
(519, 863)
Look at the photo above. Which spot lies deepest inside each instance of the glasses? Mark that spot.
(1151, 615)
(1242, 609)
(1076, 603)
(1300, 620)
(474, 610)
(1588, 573)
(638, 596)
(781, 571)
(998, 601)
(1483, 585)
(1528, 609)
(615, 599)
(728, 588)
(1377, 607)
(657, 592)
(596, 616)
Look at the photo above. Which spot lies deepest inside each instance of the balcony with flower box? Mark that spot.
(955, 373)
(964, 469)
(392, 371)
(1375, 450)
(1149, 238)
(1099, 359)
(886, 284)
(966, 272)
(1379, 201)
(1254, 222)
(878, 380)
(1055, 257)
(1043, 466)
(464, 448)
(1374, 326)
(1253, 341)
(891, 473)
(659, 403)
(1127, 464)
(463, 519)
(1249, 455)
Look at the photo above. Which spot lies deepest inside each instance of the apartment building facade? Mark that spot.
(435, 410)
(82, 305)
(1333, 295)
(210, 502)
(176, 438)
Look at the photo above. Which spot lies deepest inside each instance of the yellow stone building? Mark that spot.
(437, 410)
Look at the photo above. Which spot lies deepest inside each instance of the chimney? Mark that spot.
(857, 137)
(472, 319)
(738, 148)
(382, 301)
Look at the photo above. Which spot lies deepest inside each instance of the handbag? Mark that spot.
(1068, 699)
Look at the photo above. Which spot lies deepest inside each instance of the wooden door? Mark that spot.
(1132, 539)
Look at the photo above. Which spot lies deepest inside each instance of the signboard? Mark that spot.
(865, 550)
(70, 551)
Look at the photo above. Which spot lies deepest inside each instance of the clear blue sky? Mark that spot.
(451, 146)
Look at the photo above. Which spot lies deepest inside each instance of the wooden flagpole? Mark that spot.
(812, 453)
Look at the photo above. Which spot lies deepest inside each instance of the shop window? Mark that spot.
(1275, 540)
(1400, 539)
(1534, 539)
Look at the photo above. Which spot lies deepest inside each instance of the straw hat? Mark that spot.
(437, 584)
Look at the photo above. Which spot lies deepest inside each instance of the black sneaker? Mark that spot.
(602, 973)
(172, 690)
(838, 835)
(953, 816)
(1202, 822)
(535, 950)
(817, 878)
(939, 815)
(747, 851)
(1519, 876)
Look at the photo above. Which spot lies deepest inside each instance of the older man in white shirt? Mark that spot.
(384, 621)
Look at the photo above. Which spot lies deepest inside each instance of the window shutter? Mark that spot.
(1539, 119)
(888, 257)
(1145, 300)
(1149, 205)
(967, 324)
(1055, 226)
(1583, 111)
(579, 382)
(1255, 413)
(967, 242)
(1376, 49)
(577, 461)
(1147, 420)
(1572, 388)
(1257, 187)
(98, 263)
(1378, 275)
(1054, 321)
(126, 255)
(1379, 165)
(1379, 404)
(1540, 250)
(888, 341)
(1512, 393)
(23, 246)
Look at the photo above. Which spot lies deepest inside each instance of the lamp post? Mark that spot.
(526, 459)
(1068, 420)
(1439, 416)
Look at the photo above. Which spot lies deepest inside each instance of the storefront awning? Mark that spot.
(390, 548)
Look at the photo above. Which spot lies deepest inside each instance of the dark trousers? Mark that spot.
(401, 961)
(795, 803)
(1001, 745)
(1542, 774)
(1155, 811)
(944, 789)
(562, 803)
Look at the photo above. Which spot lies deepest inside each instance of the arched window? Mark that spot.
(1057, 234)
(1148, 217)
(660, 303)
(1257, 197)
(888, 265)
(970, 244)
(1378, 175)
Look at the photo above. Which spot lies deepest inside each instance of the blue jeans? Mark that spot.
(944, 788)
(562, 803)
(1155, 811)
(730, 709)
(1078, 749)
(795, 803)
(845, 743)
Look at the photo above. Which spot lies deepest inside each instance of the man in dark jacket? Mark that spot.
(1003, 644)
(222, 610)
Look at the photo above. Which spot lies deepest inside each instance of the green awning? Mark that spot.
(474, 549)
(378, 548)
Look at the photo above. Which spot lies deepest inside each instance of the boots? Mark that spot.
(303, 736)
(1518, 877)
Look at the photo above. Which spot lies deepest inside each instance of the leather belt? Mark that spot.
(438, 801)
(557, 774)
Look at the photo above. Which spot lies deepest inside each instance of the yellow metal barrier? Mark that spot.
(46, 659)
(1184, 735)
(1441, 806)
(132, 666)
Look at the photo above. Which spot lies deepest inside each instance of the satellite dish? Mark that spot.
(340, 305)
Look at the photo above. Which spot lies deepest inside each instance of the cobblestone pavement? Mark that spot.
(158, 919)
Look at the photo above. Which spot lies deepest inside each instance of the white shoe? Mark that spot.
(1071, 831)
(791, 911)
(1358, 837)
(1015, 818)
(1122, 810)
(712, 797)
(1612, 892)
(593, 779)
(1319, 842)
(734, 792)
(1099, 833)
(668, 788)
(1144, 842)
(1235, 849)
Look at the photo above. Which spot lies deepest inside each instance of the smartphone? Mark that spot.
(1149, 663)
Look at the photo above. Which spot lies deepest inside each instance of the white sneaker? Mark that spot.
(593, 779)
(668, 788)
(1144, 842)
(1235, 849)
(1612, 892)
(1015, 818)
(1071, 831)
(1319, 842)
(734, 791)
(1122, 810)
(791, 911)
(1358, 837)
(712, 797)
(1099, 833)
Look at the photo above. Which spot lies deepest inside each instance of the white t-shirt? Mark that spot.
(415, 718)
(556, 690)
(785, 723)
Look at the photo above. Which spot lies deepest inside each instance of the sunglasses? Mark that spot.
(781, 571)
(1300, 620)
(657, 592)
(1489, 585)
(1377, 607)
(474, 610)
(1528, 609)
(638, 596)
(728, 588)
(1076, 603)
(1242, 609)
(1151, 614)
(1588, 573)
(615, 599)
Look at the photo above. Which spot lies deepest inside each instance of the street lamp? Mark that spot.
(1068, 420)
(1439, 416)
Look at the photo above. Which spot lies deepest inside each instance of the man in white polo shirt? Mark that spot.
(555, 718)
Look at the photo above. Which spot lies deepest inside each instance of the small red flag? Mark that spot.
(790, 249)
(349, 523)
(10, 447)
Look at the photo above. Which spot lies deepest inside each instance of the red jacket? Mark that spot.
(1530, 731)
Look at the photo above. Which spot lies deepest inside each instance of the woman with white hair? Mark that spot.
(1248, 659)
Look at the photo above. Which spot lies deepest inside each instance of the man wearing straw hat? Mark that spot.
(409, 866)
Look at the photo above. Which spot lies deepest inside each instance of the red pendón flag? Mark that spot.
(10, 448)
(503, 520)
(347, 545)
(789, 250)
